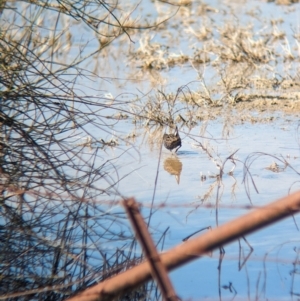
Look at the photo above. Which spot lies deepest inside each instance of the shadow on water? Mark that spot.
(187, 153)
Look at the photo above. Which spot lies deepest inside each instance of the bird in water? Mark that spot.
(172, 141)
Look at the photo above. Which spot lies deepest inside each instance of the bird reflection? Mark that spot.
(174, 167)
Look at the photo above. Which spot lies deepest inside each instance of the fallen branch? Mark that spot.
(194, 248)
(158, 270)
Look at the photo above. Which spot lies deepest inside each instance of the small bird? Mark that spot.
(172, 141)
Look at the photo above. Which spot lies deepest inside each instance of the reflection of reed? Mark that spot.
(174, 167)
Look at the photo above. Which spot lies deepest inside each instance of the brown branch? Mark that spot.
(194, 248)
(158, 270)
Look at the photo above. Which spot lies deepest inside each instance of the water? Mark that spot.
(181, 193)
(181, 207)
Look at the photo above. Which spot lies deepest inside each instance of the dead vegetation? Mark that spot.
(253, 66)
(56, 238)
(54, 185)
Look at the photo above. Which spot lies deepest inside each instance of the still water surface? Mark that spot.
(186, 182)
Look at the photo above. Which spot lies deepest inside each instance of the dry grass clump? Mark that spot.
(175, 59)
(276, 83)
(157, 109)
(239, 44)
(182, 3)
(200, 57)
(150, 55)
(287, 102)
(202, 33)
(241, 57)
(277, 33)
(153, 55)
(154, 112)
(284, 2)
(239, 93)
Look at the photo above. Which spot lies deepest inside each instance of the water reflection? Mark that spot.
(173, 166)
